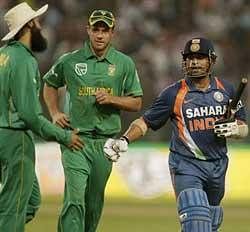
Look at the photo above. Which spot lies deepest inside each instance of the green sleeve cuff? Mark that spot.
(68, 137)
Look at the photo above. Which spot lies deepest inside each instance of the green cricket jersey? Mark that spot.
(84, 73)
(19, 94)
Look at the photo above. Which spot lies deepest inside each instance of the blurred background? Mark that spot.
(153, 33)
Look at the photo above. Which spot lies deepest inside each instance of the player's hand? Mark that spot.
(103, 98)
(113, 148)
(76, 142)
(226, 128)
(61, 119)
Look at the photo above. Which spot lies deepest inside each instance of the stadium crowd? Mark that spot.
(152, 31)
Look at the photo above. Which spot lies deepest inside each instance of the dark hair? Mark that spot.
(22, 31)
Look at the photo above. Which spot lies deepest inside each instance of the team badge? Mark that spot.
(195, 47)
(218, 96)
(3, 59)
(81, 69)
(111, 70)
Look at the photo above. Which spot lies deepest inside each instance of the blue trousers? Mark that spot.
(193, 173)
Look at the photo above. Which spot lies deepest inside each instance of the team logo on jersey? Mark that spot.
(218, 96)
(81, 69)
(3, 59)
(111, 70)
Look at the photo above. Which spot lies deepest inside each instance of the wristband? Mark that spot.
(126, 138)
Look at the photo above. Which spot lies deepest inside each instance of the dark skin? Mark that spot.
(198, 63)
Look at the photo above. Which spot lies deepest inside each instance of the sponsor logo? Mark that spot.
(183, 216)
(81, 69)
(205, 111)
(187, 101)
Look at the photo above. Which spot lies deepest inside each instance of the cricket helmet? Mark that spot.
(199, 46)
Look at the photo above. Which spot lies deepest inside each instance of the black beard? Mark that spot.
(38, 42)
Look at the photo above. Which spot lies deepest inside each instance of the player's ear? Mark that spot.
(31, 23)
(213, 61)
(88, 28)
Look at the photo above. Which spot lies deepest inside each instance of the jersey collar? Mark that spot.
(88, 53)
(213, 85)
(18, 43)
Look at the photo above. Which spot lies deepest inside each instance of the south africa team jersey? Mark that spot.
(84, 73)
(19, 94)
(192, 113)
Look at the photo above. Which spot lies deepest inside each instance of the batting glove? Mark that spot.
(113, 148)
(225, 128)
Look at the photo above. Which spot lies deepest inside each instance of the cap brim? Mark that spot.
(109, 23)
(13, 32)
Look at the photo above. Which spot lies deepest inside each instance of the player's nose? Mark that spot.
(194, 60)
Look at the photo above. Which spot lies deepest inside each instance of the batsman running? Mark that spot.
(197, 107)
(100, 82)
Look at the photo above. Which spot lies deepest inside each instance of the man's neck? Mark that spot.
(100, 54)
(201, 84)
(25, 39)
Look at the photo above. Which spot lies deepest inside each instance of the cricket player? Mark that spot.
(20, 115)
(100, 82)
(198, 152)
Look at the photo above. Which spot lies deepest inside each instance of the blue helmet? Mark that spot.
(199, 46)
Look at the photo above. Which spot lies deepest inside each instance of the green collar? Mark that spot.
(18, 43)
(88, 53)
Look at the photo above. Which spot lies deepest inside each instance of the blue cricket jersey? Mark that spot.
(192, 113)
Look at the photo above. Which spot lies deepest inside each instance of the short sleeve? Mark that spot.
(132, 86)
(161, 110)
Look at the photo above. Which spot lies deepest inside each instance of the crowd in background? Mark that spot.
(153, 32)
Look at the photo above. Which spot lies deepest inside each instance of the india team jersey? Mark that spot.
(83, 74)
(192, 113)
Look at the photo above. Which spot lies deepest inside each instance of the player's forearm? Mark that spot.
(35, 121)
(137, 129)
(50, 95)
(127, 103)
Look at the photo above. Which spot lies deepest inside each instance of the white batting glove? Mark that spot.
(223, 128)
(113, 148)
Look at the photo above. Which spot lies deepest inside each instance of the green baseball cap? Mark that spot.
(102, 15)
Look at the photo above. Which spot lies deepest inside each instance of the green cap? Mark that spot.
(102, 15)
